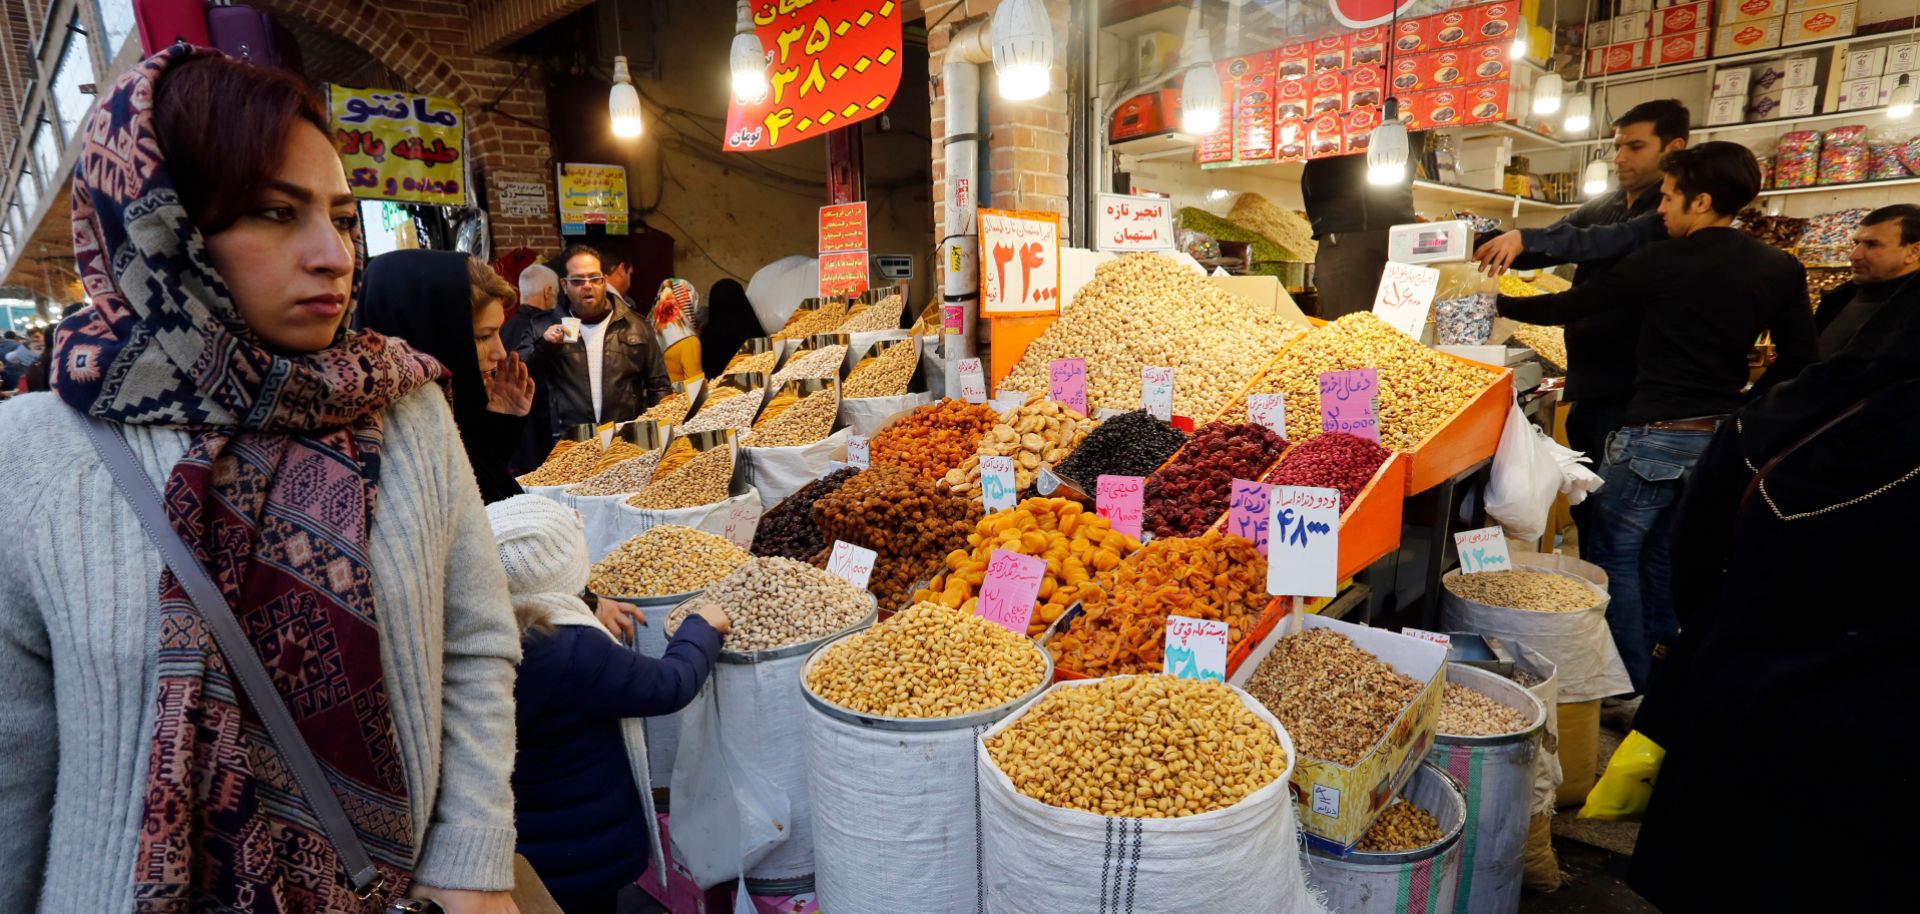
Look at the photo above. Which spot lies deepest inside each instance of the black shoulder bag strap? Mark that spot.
(132, 481)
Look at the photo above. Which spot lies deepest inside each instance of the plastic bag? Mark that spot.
(1526, 477)
(725, 816)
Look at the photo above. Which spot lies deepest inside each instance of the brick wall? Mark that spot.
(429, 46)
(1026, 150)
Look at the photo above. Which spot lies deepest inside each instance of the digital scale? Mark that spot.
(1430, 242)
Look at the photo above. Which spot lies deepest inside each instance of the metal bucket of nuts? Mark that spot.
(1414, 843)
(1487, 739)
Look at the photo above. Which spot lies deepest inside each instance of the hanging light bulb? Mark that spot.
(1200, 101)
(1022, 49)
(1579, 114)
(1900, 104)
(747, 61)
(1219, 193)
(1521, 39)
(623, 103)
(1387, 148)
(1595, 183)
(1546, 94)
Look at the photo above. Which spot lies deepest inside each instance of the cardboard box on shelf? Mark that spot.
(1744, 36)
(1799, 101)
(1488, 103)
(1446, 68)
(1145, 115)
(1408, 74)
(1819, 24)
(1496, 21)
(1617, 58)
(1338, 803)
(1290, 99)
(1490, 62)
(1672, 49)
(1748, 10)
(1326, 136)
(1367, 47)
(1903, 58)
(1794, 6)
(1769, 75)
(1359, 128)
(1859, 93)
(1869, 62)
(1155, 53)
(1364, 88)
(1632, 27)
(1441, 107)
(1887, 83)
(1412, 36)
(1635, 6)
(1453, 28)
(1327, 93)
(1726, 109)
(1253, 116)
(1765, 105)
(1295, 61)
(1599, 33)
(1330, 54)
(1683, 17)
(1800, 71)
(1731, 81)
(1290, 139)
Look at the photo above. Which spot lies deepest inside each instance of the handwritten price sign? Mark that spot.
(1405, 296)
(1119, 500)
(1303, 545)
(1348, 400)
(1067, 383)
(1019, 263)
(1156, 392)
(997, 491)
(1247, 512)
(859, 452)
(1196, 649)
(743, 521)
(973, 381)
(1483, 550)
(1424, 635)
(1011, 585)
(851, 563)
(1269, 410)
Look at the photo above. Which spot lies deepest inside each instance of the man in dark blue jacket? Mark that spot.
(1597, 236)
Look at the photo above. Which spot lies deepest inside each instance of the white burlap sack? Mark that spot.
(631, 521)
(1546, 765)
(894, 812)
(557, 494)
(1042, 859)
(663, 732)
(867, 415)
(604, 517)
(780, 471)
(1579, 643)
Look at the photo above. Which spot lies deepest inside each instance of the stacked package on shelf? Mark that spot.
(1843, 155)
(1797, 159)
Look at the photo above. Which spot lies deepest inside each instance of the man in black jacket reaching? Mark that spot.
(1699, 301)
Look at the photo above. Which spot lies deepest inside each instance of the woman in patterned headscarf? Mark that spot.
(676, 321)
(317, 475)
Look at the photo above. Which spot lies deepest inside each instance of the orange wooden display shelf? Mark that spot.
(1370, 526)
(1275, 611)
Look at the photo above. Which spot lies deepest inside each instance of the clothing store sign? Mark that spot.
(592, 195)
(1019, 263)
(400, 146)
(830, 63)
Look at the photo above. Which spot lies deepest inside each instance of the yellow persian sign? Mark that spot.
(400, 146)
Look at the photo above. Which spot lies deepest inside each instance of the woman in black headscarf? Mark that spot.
(451, 306)
(1785, 711)
(730, 322)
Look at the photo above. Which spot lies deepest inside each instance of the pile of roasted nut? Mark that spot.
(1038, 433)
(928, 661)
(1336, 700)
(1535, 591)
(668, 559)
(775, 603)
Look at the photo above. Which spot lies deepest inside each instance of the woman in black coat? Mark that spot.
(730, 322)
(451, 306)
(1787, 709)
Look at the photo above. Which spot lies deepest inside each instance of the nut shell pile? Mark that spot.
(703, 481)
(1216, 576)
(1187, 495)
(668, 559)
(1420, 389)
(788, 529)
(904, 519)
(775, 603)
(928, 661)
(1471, 712)
(1535, 591)
(1401, 827)
(1336, 700)
(573, 465)
(1075, 542)
(1130, 444)
(1038, 433)
(933, 439)
(1145, 310)
(1143, 747)
(888, 374)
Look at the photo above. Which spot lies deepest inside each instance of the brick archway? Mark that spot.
(427, 44)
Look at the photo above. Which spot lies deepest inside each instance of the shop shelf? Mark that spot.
(1449, 193)
(1468, 437)
(1275, 611)
(1840, 188)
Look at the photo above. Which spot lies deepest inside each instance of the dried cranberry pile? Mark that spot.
(1188, 495)
(1335, 460)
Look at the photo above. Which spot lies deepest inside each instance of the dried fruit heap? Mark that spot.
(1186, 496)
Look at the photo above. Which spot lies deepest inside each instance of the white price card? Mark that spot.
(743, 521)
(859, 452)
(1196, 649)
(973, 381)
(1269, 410)
(1405, 296)
(1484, 549)
(997, 492)
(851, 563)
(1007, 401)
(1303, 541)
(1156, 392)
(1424, 635)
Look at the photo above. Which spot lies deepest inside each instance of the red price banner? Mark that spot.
(830, 63)
(843, 227)
(843, 274)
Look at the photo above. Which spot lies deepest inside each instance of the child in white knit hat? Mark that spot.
(582, 807)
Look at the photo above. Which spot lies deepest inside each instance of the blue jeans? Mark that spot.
(1645, 470)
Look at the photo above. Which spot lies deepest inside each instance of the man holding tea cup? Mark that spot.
(598, 359)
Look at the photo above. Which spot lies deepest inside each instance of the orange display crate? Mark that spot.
(1238, 655)
(1370, 527)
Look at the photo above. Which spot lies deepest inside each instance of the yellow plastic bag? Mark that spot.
(1627, 784)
